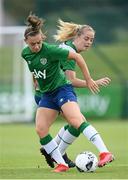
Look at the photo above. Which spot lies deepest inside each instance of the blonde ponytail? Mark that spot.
(66, 31)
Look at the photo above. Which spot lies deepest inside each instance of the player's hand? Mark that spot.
(93, 86)
(103, 81)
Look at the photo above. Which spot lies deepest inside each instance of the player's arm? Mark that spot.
(76, 82)
(91, 84)
(79, 83)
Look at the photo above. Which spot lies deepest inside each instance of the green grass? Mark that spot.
(20, 157)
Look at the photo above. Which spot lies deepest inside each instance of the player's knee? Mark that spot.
(42, 132)
(76, 122)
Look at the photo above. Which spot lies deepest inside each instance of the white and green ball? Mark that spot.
(86, 162)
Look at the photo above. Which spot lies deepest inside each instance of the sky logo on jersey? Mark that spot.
(43, 61)
(39, 74)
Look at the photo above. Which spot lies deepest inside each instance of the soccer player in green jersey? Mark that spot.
(78, 38)
(43, 62)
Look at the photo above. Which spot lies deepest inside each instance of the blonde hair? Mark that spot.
(68, 30)
(34, 24)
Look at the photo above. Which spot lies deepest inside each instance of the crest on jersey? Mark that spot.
(43, 61)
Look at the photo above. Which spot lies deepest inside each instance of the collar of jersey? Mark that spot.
(70, 43)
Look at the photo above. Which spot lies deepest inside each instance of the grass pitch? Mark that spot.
(20, 157)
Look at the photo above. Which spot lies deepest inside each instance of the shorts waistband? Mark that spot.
(55, 90)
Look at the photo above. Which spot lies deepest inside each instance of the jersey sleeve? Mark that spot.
(24, 53)
(58, 54)
(26, 57)
(68, 65)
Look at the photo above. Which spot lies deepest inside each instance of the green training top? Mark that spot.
(45, 66)
(65, 65)
(68, 65)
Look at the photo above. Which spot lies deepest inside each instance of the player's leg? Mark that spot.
(60, 134)
(66, 140)
(73, 131)
(48, 157)
(69, 136)
(58, 139)
(92, 135)
(44, 119)
(90, 132)
(66, 136)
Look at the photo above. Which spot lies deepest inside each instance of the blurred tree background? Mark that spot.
(107, 17)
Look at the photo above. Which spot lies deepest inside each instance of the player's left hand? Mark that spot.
(103, 81)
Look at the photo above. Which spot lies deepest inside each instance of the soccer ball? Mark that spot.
(86, 162)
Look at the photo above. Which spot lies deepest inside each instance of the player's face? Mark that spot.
(35, 42)
(85, 40)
